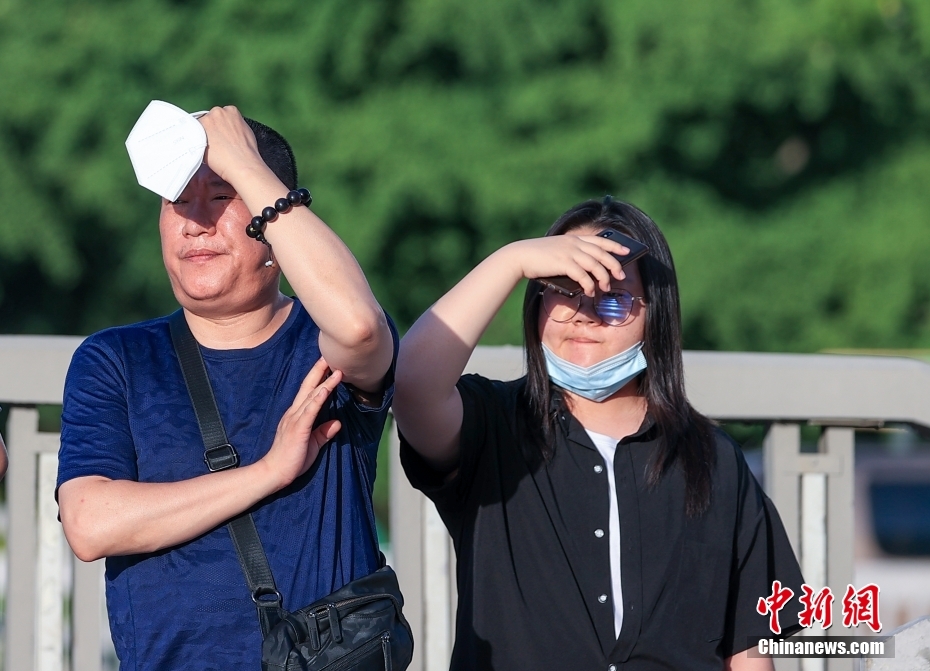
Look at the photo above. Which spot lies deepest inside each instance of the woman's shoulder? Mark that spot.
(493, 403)
(495, 390)
(731, 471)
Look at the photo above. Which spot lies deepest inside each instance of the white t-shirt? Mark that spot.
(607, 446)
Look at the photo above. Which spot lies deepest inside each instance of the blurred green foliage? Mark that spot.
(782, 145)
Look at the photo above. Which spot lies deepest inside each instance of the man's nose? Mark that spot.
(198, 219)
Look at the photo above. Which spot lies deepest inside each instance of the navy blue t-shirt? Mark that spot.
(127, 416)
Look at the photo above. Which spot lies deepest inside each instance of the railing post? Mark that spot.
(780, 449)
(21, 496)
(86, 653)
(814, 496)
(37, 551)
(424, 559)
(49, 563)
(407, 505)
(838, 443)
(438, 586)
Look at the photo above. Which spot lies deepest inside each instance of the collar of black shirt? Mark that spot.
(575, 432)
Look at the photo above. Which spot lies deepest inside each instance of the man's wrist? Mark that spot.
(244, 174)
(268, 479)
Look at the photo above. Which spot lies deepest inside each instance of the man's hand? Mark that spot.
(231, 145)
(297, 444)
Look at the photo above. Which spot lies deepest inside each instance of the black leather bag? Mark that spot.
(359, 626)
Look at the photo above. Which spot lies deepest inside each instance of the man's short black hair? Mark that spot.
(275, 152)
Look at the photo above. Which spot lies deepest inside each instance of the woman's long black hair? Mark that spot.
(688, 436)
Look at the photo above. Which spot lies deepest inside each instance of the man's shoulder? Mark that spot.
(130, 332)
(116, 341)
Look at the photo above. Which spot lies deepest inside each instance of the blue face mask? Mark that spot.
(599, 381)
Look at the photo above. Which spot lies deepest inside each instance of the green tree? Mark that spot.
(780, 145)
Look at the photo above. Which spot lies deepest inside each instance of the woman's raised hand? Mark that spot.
(587, 259)
(433, 354)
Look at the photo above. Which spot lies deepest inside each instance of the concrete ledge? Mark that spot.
(828, 389)
(911, 649)
(32, 368)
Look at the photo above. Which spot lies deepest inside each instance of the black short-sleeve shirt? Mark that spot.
(533, 579)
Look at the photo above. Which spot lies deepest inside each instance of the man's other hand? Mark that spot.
(296, 443)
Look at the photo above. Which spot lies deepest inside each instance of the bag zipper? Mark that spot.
(386, 651)
(346, 662)
(354, 600)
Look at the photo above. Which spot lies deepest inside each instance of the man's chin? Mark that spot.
(200, 291)
(220, 301)
(202, 298)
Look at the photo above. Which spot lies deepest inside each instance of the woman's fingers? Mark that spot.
(593, 265)
(581, 275)
(605, 243)
(587, 259)
(603, 250)
(597, 273)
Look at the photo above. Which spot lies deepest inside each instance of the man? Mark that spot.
(302, 387)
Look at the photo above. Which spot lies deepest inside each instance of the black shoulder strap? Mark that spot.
(220, 455)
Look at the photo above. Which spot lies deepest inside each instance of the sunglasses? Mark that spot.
(612, 307)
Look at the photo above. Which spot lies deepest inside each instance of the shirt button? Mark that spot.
(602, 598)
(599, 533)
(598, 468)
(611, 668)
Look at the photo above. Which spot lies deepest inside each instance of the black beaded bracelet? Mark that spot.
(256, 227)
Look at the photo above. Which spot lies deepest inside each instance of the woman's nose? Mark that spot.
(586, 313)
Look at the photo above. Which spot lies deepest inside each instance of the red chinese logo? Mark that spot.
(774, 603)
(818, 607)
(861, 607)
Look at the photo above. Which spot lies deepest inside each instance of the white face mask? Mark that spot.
(166, 147)
(598, 381)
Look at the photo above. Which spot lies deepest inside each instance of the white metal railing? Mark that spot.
(32, 373)
(813, 491)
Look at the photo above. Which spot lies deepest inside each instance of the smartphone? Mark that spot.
(566, 285)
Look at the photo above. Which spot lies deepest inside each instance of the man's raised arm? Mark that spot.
(355, 337)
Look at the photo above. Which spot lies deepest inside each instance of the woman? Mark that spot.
(598, 519)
